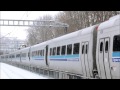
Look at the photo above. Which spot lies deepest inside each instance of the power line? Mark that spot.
(9, 32)
(12, 30)
(14, 27)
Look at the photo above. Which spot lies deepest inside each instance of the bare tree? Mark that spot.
(76, 20)
(39, 34)
(82, 19)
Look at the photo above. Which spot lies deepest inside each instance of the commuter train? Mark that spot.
(93, 52)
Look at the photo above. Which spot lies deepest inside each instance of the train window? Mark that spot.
(13, 56)
(18, 55)
(69, 49)
(82, 49)
(32, 53)
(76, 48)
(43, 52)
(116, 43)
(54, 50)
(58, 50)
(101, 46)
(23, 55)
(38, 52)
(106, 46)
(63, 50)
(86, 49)
(35, 53)
(50, 51)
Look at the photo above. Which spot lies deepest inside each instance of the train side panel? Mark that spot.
(108, 49)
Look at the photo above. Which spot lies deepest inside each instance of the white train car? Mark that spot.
(5, 57)
(13, 56)
(38, 55)
(18, 56)
(24, 56)
(2, 58)
(73, 52)
(108, 49)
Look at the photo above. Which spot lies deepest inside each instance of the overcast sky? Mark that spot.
(19, 32)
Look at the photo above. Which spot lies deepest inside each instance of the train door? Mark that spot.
(104, 62)
(85, 60)
(46, 55)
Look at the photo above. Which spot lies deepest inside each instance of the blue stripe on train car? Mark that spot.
(74, 57)
(116, 56)
(38, 57)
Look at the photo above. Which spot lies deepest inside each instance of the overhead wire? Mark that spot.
(14, 27)
(12, 30)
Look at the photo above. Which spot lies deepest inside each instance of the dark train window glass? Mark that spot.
(35, 53)
(18, 55)
(86, 49)
(54, 50)
(58, 50)
(50, 51)
(82, 49)
(101, 46)
(63, 50)
(106, 46)
(69, 49)
(43, 52)
(76, 48)
(40, 52)
(116, 43)
(13, 56)
(23, 55)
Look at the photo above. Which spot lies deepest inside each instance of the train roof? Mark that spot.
(88, 30)
(83, 32)
(113, 21)
(67, 36)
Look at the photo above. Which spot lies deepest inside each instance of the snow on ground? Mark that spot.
(11, 72)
